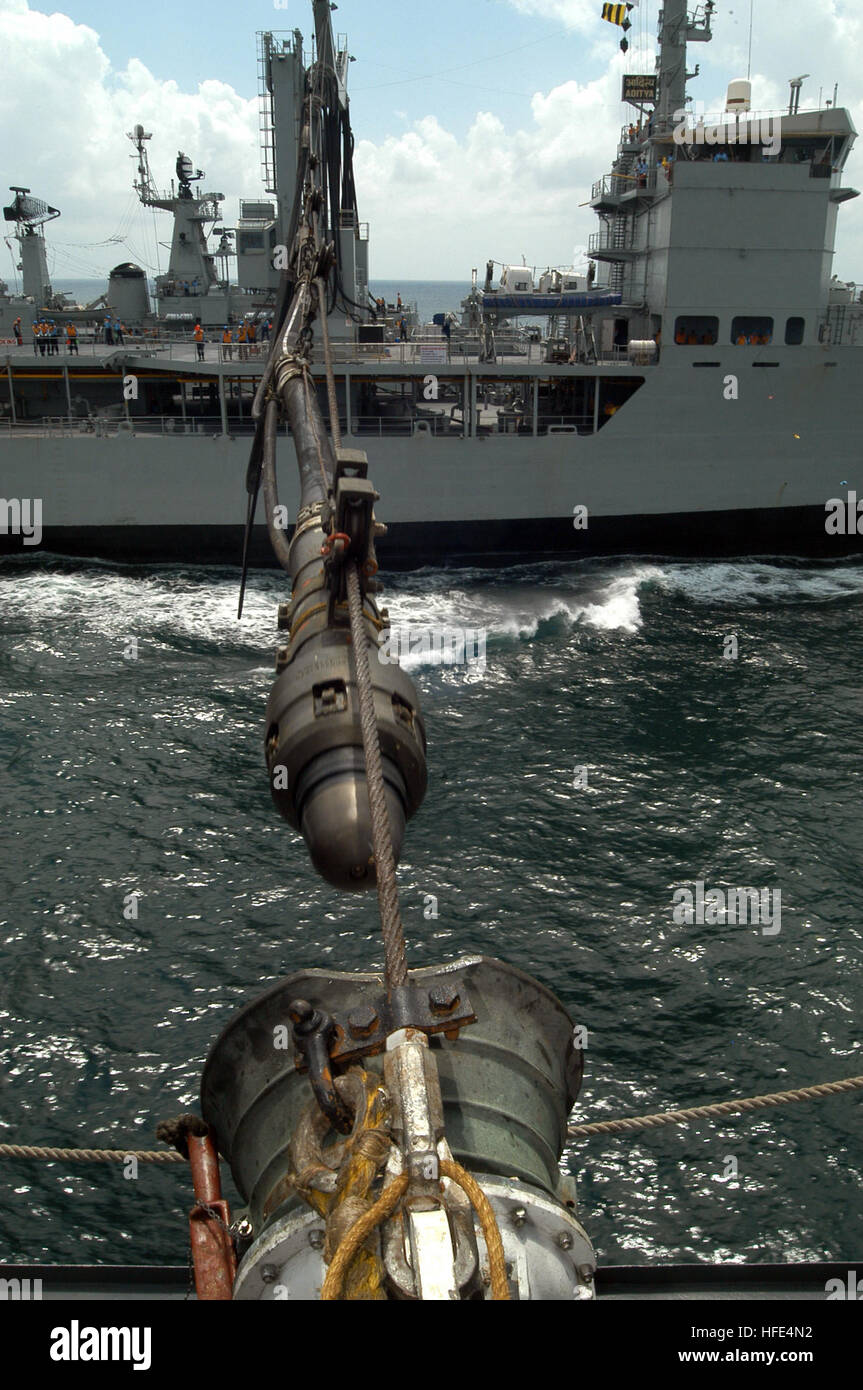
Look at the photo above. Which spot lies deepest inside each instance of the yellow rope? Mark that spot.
(365, 1154)
(386, 1205)
(487, 1220)
(359, 1232)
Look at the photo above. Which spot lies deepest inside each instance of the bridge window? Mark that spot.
(692, 331)
(794, 332)
(749, 331)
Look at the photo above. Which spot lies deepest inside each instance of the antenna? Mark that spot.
(144, 187)
(29, 213)
(795, 83)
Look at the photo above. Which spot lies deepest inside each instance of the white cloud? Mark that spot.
(576, 14)
(497, 193)
(437, 204)
(65, 113)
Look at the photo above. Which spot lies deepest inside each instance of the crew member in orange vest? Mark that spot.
(199, 339)
(71, 338)
(242, 338)
(227, 347)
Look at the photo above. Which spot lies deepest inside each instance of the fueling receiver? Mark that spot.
(314, 742)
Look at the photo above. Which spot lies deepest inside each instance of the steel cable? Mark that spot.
(716, 1110)
(388, 893)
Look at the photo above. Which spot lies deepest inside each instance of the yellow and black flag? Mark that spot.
(617, 14)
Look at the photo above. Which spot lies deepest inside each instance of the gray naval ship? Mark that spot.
(696, 393)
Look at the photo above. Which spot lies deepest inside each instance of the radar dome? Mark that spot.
(739, 96)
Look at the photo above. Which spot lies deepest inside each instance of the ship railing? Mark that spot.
(622, 185)
(565, 424)
(632, 135)
(434, 352)
(101, 427)
(170, 345)
(448, 423)
(439, 426)
(612, 186)
(451, 426)
(611, 239)
(739, 121)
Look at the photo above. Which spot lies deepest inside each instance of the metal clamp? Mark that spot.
(440, 1005)
(313, 1032)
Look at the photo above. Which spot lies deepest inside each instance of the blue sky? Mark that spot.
(412, 57)
(480, 124)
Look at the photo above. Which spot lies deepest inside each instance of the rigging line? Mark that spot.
(751, 22)
(463, 67)
(14, 264)
(499, 91)
(716, 1110)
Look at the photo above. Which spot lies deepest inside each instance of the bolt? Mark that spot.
(564, 1240)
(519, 1216)
(362, 1021)
(443, 998)
(586, 1271)
(269, 1273)
(316, 1239)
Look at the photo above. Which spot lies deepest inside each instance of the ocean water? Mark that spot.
(146, 776)
(430, 296)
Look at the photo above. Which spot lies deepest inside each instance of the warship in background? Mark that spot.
(702, 400)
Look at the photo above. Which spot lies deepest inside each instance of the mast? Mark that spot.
(29, 215)
(191, 262)
(676, 29)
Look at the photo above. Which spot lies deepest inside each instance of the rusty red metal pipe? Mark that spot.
(213, 1255)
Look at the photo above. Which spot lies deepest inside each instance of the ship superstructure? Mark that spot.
(694, 392)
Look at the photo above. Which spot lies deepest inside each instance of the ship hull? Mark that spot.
(679, 470)
(792, 532)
